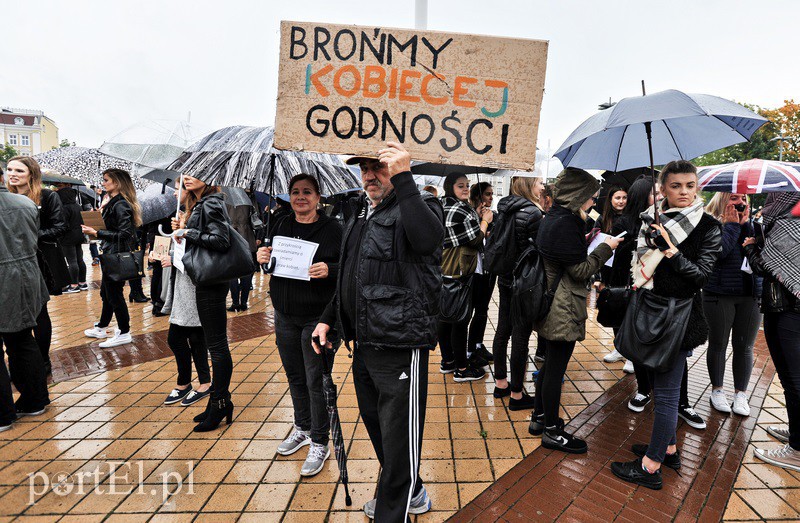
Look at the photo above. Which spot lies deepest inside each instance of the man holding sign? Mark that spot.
(387, 302)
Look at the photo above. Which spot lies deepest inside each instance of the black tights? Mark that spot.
(43, 332)
(548, 382)
(188, 344)
(453, 342)
(213, 317)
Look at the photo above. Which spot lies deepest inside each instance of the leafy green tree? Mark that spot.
(6, 153)
(65, 143)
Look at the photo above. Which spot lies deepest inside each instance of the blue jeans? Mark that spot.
(667, 392)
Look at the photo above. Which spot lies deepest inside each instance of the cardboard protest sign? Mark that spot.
(447, 97)
(161, 246)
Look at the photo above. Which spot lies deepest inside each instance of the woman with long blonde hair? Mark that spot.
(121, 215)
(730, 303)
(24, 176)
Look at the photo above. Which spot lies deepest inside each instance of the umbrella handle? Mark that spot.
(161, 231)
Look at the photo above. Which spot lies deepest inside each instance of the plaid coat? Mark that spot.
(463, 238)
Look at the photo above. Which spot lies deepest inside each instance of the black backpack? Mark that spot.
(531, 298)
(500, 253)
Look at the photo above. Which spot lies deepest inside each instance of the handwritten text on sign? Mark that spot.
(448, 97)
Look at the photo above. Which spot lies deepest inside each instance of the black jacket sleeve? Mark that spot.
(123, 233)
(423, 219)
(215, 235)
(699, 271)
(53, 224)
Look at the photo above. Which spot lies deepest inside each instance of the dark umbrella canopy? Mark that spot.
(443, 169)
(243, 157)
(157, 202)
(329, 390)
(236, 197)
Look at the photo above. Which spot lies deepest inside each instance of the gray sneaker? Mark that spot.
(779, 432)
(317, 455)
(785, 457)
(297, 439)
(420, 504)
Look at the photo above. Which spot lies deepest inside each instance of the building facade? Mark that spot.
(28, 131)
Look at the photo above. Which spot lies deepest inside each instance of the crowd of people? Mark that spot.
(378, 281)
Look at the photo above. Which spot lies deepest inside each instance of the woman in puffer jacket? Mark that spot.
(730, 302)
(464, 234)
(524, 205)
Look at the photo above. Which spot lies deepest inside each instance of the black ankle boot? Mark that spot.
(203, 415)
(233, 308)
(218, 410)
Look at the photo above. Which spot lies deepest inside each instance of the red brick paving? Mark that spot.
(81, 360)
(586, 490)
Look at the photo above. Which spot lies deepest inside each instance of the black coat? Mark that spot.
(72, 217)
(208, 224)
(120, 233)
(52, 226)
(685, 274)
(619, 274)
(527, 217)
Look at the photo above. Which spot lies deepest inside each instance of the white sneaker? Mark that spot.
(628, 367)
(719, 401)
(117, 339)
(296, 440)
(740, 404)
(96, 332)
(613, 357)
(317, 455)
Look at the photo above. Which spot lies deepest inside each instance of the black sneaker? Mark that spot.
(536, 426)
(477, 361)
(524, 403)
(177, 395)
(194, 396)
(501, 393)
(447, 367)
(83, 286)
(672, 461)
(28, 411)
(633, 472)
(538, 357)
(483, 352)
(639, 402)
(468, 374)
(6, 425)
(691, 417)
(557, 439)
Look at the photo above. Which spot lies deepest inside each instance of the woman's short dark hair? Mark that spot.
(676, 167)
(301, 178)
(450, 183)
(476, 193)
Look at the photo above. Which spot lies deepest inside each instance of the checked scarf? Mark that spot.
(781, 253)
(461, 223)
(679, 223)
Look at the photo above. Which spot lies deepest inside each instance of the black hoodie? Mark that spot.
(527, 217)
(72, 216)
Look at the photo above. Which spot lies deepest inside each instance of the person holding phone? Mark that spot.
(730, 302)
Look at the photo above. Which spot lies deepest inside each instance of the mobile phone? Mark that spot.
(621, 235)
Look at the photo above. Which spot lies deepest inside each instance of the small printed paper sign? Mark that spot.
(293, 257)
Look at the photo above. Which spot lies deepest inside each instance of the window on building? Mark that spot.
(25, 140)
(19, 121)
(12, 139)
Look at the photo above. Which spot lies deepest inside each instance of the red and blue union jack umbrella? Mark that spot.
(750, 177)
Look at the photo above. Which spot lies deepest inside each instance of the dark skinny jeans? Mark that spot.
(666, 392)
(114, 305)
(520, 339)
(240, 289)
(77, 267)
(303, 368)
(726, 315)
(453, 342)
(548, 381)
(25, 371)
(189, 344)
(214, 319)
(782, 332)
(482, 288)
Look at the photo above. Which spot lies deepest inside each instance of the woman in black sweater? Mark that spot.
(298, 305)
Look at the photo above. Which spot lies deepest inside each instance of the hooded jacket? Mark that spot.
(24, 292)
(72, 216)
(561, 238)
(527, 217)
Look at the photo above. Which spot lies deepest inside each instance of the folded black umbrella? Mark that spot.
(329, 390)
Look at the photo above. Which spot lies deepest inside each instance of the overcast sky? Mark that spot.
(97, 67)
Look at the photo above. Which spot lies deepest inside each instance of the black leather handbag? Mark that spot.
(455, 301)
(653, 329)
(122, 266)
(53, 266)
(207, 267)
(612, 303)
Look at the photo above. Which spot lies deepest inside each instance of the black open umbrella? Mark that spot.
(329, 390)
